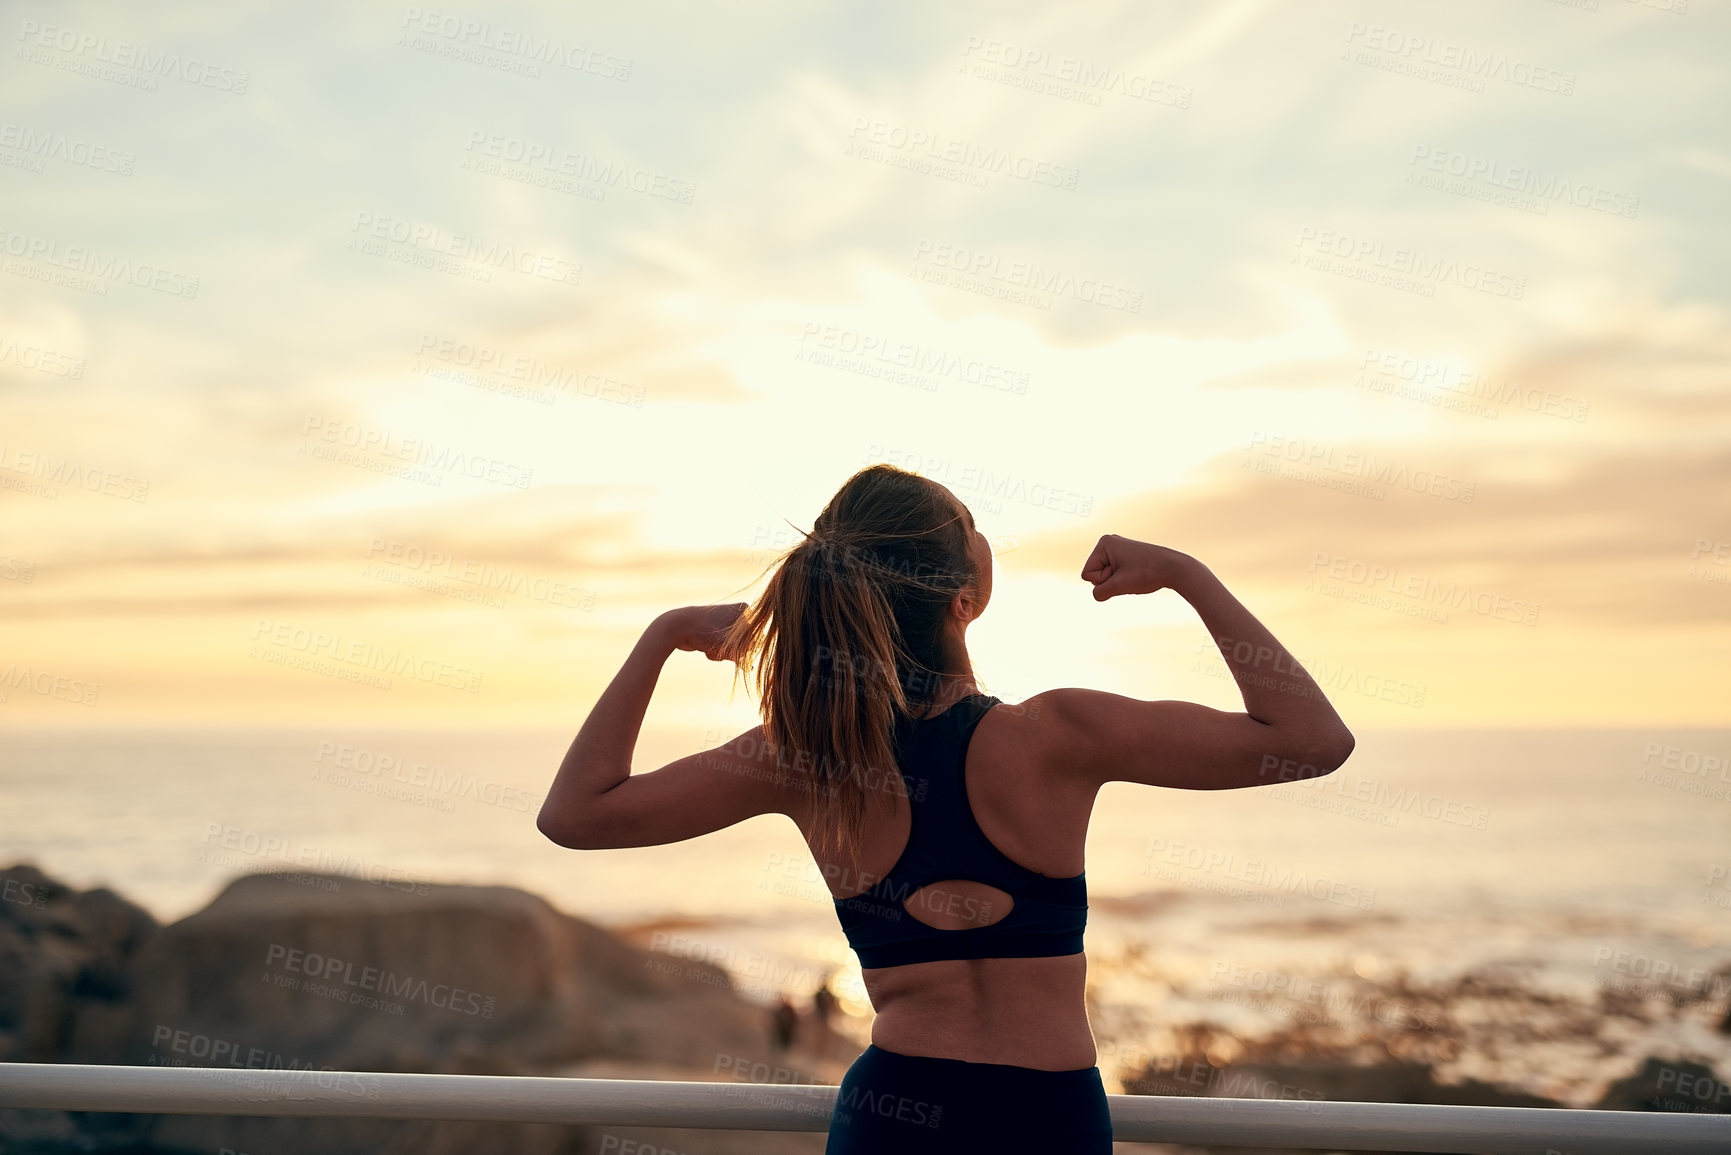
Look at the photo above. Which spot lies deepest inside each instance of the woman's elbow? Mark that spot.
(1311, 756)
(1332, 753)
(560, 831)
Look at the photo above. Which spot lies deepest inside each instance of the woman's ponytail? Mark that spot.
(850, 631)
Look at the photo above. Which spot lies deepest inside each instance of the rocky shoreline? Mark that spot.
(331, 972)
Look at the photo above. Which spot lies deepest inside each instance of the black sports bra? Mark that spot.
(946, 843)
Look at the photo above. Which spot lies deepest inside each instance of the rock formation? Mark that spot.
(327, 971)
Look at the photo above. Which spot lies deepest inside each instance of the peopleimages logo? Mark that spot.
(362, 655)
(1314, 455)
(520, 47)
(326, 970)
(41, 144)
(214, 1051)
(579, 166)
(40, 359)
(1085, 76)
(86, 46)
(373, 230)
(1522, 179)
(48, 684)
(414, 451)
(1454, 595)
(926, 361)
(1428, 58)
(33, 463)
(532, 371)
(1409, 262)
(482, 577)
(1259, 873)
(374, 766)
(103, 268)
(934, 145)
(23, 893)
(1400, 799)
(987, 268)
(1431, 377)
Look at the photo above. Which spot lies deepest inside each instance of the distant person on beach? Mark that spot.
(949, 825)
(785, 1020)
(823, 1001)
(823, 1009)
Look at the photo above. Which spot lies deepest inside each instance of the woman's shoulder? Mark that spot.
(1034, 726)
(1045, 711)
(1069, 730)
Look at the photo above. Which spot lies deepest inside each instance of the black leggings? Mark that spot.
(891, 1104)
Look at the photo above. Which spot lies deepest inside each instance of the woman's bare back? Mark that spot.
(1029, 1012)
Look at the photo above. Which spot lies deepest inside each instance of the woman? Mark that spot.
(958, 876)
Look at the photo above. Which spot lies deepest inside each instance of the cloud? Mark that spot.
(1605, 539)
(380, 563)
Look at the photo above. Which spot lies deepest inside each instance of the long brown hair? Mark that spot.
(850, 629)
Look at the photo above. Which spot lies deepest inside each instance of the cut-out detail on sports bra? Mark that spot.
(958, 903)
(1046, 915)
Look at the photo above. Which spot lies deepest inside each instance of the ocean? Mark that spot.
(1539, 908)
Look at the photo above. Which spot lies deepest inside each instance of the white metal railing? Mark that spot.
(772, 1107)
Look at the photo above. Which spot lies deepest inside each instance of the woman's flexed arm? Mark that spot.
(595, 801)
(1288, 728)
(1277, 691)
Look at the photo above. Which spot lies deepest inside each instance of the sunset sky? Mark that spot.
(479, 337)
